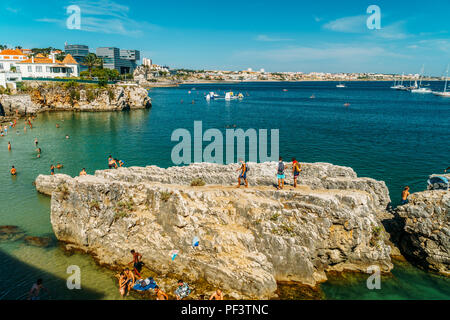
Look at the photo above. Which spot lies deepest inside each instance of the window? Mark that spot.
(38, 69)
(1, 66)
(47, 69)
(30, 69)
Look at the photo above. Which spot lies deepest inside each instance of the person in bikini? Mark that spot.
(405, 195)
(243, 174)
(295, 170)
(122, 283)
(83, 172)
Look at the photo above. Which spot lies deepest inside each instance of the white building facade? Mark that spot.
(48, 67)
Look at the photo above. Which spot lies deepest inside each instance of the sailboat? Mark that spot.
(421, 89)
(444, 93)
(400, 86)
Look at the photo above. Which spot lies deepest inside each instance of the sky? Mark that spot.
(304, 36)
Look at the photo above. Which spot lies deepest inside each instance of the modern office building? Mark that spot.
(78, 52)
(124, 61)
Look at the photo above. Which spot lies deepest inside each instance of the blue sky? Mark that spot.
(322, 36)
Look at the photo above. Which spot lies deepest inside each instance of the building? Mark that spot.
(124, 61)
(48, 67)
(8, 79)
(147, 62)
(9, 58)
(78, 52)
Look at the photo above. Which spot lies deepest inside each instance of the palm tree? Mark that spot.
(91, 61)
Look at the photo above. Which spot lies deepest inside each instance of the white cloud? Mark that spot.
(355, 24)
(106, 16)
(265, 38)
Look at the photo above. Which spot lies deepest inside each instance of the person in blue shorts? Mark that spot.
(243, 174)
(280, 174)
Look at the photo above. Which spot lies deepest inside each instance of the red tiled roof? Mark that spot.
(12, 52)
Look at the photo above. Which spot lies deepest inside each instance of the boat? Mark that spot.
(341, 85)
(230, 96)
(421, 89)
(400, 86)
(444, 93)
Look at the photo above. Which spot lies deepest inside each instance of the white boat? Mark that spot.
(421, 89)
(444, 93)
(341, 85)
(230, 96)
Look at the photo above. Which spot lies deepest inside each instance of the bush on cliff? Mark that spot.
(198, 182)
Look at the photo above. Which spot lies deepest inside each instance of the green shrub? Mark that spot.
(198, 182)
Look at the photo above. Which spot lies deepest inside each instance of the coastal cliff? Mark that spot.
(70, 97)
(250, 239)
(426, 237)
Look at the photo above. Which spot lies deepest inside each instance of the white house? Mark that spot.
(10, 58)
(48, 67)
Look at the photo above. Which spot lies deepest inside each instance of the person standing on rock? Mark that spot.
(280, 174)
(295, 170)
(405, 195)
(137, 263)
(83, 172)
(243, 174)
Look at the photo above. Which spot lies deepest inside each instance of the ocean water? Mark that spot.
(398, 137)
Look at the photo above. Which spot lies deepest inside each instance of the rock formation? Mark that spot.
(80, 98)
(426, 238)
(249, 238)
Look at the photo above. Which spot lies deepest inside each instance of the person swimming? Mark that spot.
(59, 166)
(36, 142)
(52, 170)
(13, 171)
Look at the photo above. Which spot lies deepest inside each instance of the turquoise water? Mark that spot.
(394, 136)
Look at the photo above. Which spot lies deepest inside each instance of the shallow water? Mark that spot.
(393, 136)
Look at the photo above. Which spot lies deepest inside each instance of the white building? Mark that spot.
(147, 62)
(10, 58)
(8, 79)
(48, 67)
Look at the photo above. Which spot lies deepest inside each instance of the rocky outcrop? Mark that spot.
(426, 238)
(79, 98)
(249, 238)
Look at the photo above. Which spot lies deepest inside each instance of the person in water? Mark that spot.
(9, 146)
(182, 291)
(137, 263)
(446, 169)
(13, 171)
(52, 170)
(160, 295)
(130, 280)
(59, 166)
(243, 174)
(122, 283)
(83, 172)
(218, 295)
(405, 195)
(280, 174)
(36, 290)
(36, 142)
(296, 168)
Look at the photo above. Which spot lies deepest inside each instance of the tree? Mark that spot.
(91, 61)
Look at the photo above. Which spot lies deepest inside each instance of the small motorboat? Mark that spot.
(341, 85)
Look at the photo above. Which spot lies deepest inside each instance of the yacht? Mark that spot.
(421, 89)
(444, 93)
